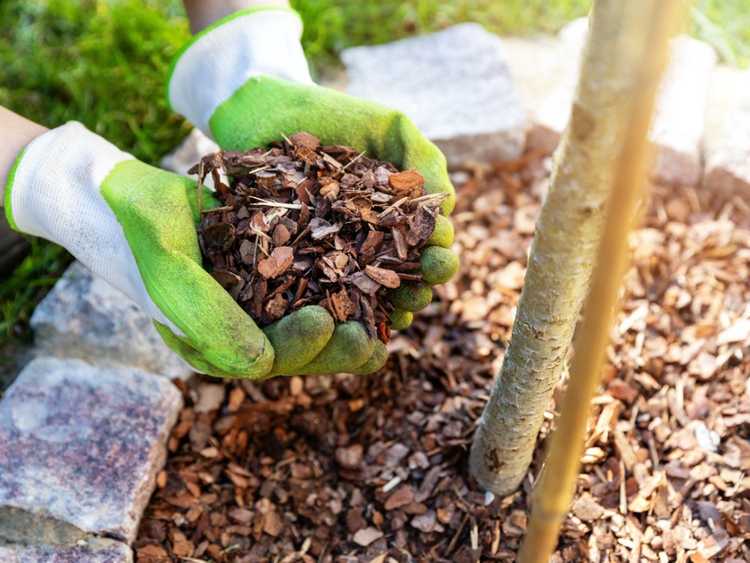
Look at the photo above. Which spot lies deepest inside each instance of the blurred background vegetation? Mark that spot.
(104, 63)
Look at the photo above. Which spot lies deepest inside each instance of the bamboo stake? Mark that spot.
(556, 486)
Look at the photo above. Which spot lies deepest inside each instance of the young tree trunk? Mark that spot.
(562, 257)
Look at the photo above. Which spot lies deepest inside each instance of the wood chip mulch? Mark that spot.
(373, 469)
(303, 224)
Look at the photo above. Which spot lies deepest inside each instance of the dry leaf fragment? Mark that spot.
(219, 236)
(210, 397)
(407, 182)
(400, 241)
(320, 228)
(426, 522)
(273, 524)
(350, 457)
(372, 244)
(341, 305)
(364, 283)
(276, 264)
(384, 277)
(330, 191)
(366, 536)
(281, 235)
(401, 497)
(276, 307)
(228, 280)
(305, 139)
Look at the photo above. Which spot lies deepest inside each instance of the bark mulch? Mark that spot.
(373, 469)
(304, 224)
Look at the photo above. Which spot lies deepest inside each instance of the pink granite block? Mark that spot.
(82, 444)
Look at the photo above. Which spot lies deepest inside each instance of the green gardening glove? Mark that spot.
(135, 226)
(260, 91)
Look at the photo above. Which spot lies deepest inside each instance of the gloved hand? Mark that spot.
(245, 82)
(135, 226)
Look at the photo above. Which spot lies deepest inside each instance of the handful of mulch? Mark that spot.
(304, 224)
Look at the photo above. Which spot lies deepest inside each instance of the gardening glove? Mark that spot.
(245, 82)
(135, 226)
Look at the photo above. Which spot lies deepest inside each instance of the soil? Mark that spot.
(304, 224)
(374, 469)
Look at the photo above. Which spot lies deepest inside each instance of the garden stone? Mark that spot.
(545, 70)
(84, 317)
(82, 445)
(727, 145)
(679, 121)
(93, 550)
(194, 147)
(454, 84)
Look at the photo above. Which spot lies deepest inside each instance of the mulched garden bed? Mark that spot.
(373, 469)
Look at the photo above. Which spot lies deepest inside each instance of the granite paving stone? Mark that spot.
(679, 122)
(454, 84)
(84, 317)
(727, 144)
(95, 550)
(82, 444)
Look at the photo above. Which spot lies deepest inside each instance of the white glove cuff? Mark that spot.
(55, 194)
(56, 183)
(221, 60)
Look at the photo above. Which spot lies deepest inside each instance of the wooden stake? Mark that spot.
(647, 26)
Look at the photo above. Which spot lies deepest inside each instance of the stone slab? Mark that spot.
(680, 117)
(95, 550)
(84, 317)
(727, 144)
(82, 444)
(454, 84)
(545, 71)
(194, 147)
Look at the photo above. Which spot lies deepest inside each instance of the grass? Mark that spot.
(104, 63)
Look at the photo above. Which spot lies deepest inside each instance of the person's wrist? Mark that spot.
(202, 13)
(17, 132)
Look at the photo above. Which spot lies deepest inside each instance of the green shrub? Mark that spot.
(101, 63)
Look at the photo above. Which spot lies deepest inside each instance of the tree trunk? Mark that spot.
(565, 244)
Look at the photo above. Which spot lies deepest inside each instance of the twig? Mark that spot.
(352, 161)
(199, 198)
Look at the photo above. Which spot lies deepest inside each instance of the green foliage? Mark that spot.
(725, 24)
(331, 25)
(29, 282)
(104, 64)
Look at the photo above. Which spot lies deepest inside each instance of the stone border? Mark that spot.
(84, 427)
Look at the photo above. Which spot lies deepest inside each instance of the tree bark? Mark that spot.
(566, 241)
